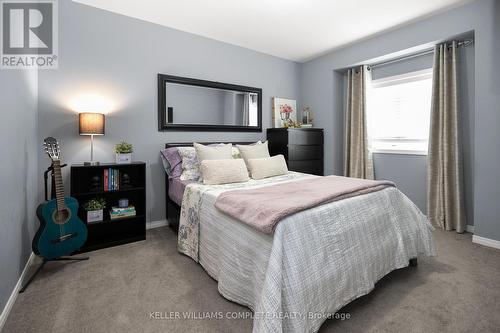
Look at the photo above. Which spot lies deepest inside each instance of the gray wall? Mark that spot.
(119, 57)
(409, 172)
(18, 137)
(322, 91)
(404, 66)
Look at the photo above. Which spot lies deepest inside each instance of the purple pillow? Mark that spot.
(173, 165)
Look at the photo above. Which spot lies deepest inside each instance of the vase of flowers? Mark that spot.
(123, 152)
(285, 113)
(95, 209)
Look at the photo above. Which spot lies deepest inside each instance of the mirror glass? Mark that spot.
(187, 104)
(191, 104)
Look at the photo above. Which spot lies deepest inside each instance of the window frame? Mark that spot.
(390, 81)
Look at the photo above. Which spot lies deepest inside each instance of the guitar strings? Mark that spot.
(54, 153)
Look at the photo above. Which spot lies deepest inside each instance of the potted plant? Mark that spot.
(95, 209)
(123, 152)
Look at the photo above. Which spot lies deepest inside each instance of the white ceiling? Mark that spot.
(298, 30)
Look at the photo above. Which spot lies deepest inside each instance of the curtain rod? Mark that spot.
(464, 43)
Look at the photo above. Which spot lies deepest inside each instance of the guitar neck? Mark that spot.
(59, 185)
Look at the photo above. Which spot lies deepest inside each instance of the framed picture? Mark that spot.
(283, 110)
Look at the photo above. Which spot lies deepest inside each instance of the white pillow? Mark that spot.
(217, 152)
(267, 167)
(253, 151)
(236, 151)
(216, 172)
(190, 165)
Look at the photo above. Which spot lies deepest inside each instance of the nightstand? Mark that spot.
(90, 182)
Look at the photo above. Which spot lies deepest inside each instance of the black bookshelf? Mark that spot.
(85, 186)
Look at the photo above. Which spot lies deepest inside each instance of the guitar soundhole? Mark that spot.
(61, 216)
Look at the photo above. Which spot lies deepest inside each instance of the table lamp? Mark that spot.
(91, 124)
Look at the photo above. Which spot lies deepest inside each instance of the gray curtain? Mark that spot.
(357, 158)
(445, 182)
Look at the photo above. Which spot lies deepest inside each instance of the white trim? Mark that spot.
(423, 74)
(156, 224)
(486, 241)
(15, 292)
(469, 228)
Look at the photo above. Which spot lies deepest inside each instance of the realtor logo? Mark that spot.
(29, 34)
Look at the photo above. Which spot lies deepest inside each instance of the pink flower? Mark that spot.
(285, 108)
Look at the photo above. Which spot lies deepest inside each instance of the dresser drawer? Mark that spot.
(303, 152)
(314, 167)
(305, 137)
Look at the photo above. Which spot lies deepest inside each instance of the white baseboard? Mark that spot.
(15, 292)
(469, 228)
(486, 241)
(156, 224)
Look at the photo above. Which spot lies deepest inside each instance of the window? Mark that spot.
(398, 113)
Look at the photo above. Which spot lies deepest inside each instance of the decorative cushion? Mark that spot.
(216, 172)
(216, 152)
(253, 151)
(267, 167)
(236, 151)
(172, 162)
(190, 165)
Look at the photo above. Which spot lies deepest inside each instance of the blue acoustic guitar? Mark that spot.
(61, 232)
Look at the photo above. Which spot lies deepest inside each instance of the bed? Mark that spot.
(174, 188)
(315, 262)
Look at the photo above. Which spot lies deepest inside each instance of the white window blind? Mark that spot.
(398, 113)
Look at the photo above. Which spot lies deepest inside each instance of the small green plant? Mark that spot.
(95, 204)
(124, 148)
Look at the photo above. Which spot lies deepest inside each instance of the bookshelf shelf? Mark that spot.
(125, 190)
(118, 220)
(88, 182)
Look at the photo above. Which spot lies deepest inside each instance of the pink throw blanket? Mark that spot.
(262, 208)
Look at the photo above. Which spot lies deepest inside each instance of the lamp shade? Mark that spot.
(91, 123)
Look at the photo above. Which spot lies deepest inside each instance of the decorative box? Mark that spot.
(95, 215)
(124, 158)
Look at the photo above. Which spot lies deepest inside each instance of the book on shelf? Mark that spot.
(111, 179)
(116, 209)
(105, 180)
(121, 212)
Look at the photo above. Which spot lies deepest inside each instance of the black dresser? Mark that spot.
(302, 148)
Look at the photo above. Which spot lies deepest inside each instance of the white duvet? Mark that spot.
(316, 261)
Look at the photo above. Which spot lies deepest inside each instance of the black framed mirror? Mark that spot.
(192, 104)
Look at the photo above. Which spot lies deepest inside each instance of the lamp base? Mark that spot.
(90, 163)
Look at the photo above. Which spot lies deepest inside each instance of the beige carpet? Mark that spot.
(118, 288)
